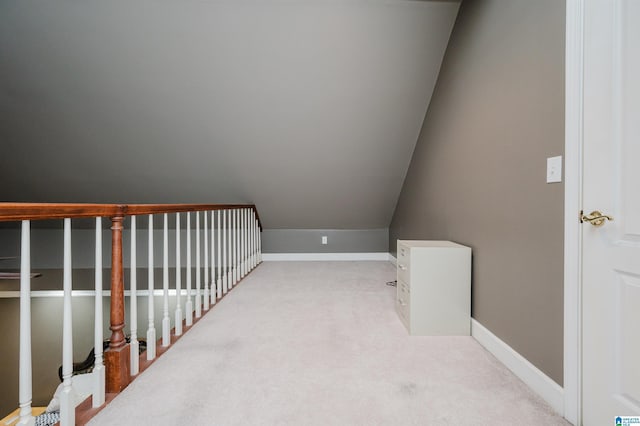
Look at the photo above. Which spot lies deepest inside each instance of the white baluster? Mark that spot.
(254, 227)
(25, 389)
(257, 238)
(259, 242)
(213, 261)
(219, 274)
(248, 253)
(98, 369)
(252, 240)
(248, 240)
(67, 395)
(151, 330)
(225, 249)
(238, 224)
(198, 282)
(206, 261)
(252, 232)
(242, 244)
(234, 234)
(249, 233)
(256, 231)
(166, 322)
(133, 300)
(241, 237)
(232, 249)
(245, 236)
(178, 330)
(237, 239)
(189, 305)
(239, 232)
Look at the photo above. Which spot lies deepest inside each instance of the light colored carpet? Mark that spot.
(319, 343)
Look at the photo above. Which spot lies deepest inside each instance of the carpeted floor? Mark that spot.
(319, 343)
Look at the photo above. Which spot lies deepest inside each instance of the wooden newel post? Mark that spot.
(117, 357)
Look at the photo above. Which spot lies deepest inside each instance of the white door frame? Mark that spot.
(574, 138)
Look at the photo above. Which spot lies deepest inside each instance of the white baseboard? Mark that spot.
(393, 260)
(273, 257)
(539, 382)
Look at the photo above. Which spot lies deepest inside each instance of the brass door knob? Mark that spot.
(595, 218)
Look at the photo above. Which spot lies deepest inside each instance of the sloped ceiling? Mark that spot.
(310, 109)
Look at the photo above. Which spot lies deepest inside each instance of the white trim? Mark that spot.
(539, 382)
(393, 260)
(574, 92)
(274, 257)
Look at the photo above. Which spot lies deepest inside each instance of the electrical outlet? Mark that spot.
(324, 239)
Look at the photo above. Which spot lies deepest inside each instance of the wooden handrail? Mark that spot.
(140, 209)
(41, 211)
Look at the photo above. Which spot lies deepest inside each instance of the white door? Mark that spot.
(611, 252)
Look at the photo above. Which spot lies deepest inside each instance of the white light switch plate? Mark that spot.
(554, 169)
(324, 239)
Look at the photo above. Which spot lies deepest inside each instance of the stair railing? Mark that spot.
(231, 246)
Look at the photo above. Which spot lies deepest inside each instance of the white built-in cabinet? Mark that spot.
(434, 287)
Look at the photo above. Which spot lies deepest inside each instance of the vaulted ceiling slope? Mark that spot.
(310, 109)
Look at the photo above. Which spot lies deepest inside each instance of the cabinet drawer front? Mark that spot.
(403, 314)
(403, 308)
(403, 272)
(404, 255)
(403, 299)
(402, 284)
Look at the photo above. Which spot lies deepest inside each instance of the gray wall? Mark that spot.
(309, 109)
(338, 240)
(477, 175)
(46, 245)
